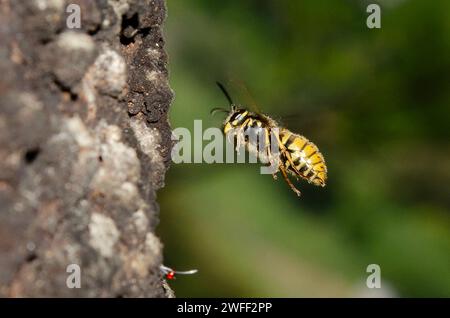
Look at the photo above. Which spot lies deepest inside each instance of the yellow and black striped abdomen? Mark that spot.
(305, 156)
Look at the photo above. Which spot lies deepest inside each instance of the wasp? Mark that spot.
(170, 273)
(294, 154)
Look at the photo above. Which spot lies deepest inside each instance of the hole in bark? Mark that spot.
(31, 155)
(128, 29)
(94, 30)
(66, 90)
(45, 41)
(73, 96)
(30, 257)
(100, 158)
(145, 31)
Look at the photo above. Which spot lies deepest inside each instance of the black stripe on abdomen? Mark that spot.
(289, 141)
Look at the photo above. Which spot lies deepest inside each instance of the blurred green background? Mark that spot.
(375, 101)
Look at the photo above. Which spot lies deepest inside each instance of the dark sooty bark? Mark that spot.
(84, 146)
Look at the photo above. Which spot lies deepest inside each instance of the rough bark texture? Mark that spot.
(84, 146)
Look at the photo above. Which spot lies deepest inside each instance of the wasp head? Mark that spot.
(235, 119)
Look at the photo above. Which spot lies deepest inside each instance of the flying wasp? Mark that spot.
(170, 273)
(294, 154)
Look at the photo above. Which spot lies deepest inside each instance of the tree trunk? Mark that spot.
(84, 146)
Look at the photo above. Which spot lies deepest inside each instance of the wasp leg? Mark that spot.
(238, 143)
(238, 140)
(230, 137)
(272, 161)
(240, 135)
(286, 153)
(290, 184)
(283, 168)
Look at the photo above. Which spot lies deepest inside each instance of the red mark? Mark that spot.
(170, 275)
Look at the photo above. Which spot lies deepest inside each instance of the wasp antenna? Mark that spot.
(218, 109)
(225, 92)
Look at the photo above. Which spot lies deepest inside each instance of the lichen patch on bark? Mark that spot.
(103, 234)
